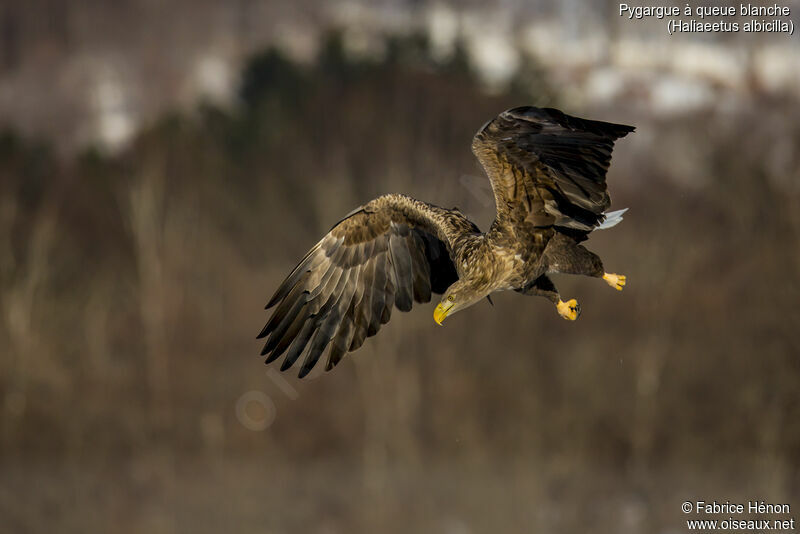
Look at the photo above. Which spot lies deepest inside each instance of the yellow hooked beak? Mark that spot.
(441, 312)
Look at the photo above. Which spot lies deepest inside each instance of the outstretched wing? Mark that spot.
(391, 252)
(547, 167)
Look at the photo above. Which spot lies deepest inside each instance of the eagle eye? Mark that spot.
(451, 298)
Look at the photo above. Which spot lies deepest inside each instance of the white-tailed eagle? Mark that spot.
(548, 174)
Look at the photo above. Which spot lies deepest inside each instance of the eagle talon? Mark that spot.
(569, 310)
(617, 281)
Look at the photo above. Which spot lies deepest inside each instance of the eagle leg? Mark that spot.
(541, 287)
(544, 287)
(564, 255)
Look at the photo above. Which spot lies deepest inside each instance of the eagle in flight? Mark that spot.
(548, 175)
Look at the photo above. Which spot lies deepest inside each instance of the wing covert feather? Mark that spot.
(393, 251)
(549, 166)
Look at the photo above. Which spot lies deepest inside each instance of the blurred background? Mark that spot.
(163, 165)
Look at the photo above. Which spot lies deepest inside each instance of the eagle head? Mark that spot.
(459, 296)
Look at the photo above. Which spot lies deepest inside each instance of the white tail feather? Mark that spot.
(613, 218)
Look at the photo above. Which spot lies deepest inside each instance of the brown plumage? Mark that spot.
(547, 171)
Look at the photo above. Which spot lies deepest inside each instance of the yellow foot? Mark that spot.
(569, 310)
(617, 281)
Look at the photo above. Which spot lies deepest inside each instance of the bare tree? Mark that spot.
(146, 198)
(23, 278)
